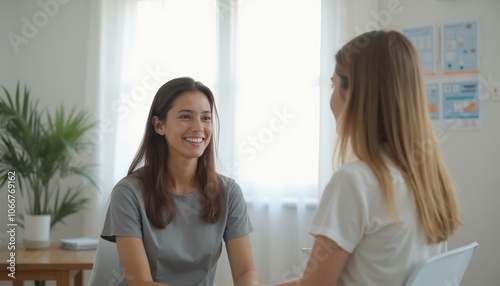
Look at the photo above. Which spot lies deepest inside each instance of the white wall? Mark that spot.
(472, 156)
(52, 62)
(7, 55)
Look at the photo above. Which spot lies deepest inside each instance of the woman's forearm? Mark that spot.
(294, 282)
(250, 278)
(139, 283)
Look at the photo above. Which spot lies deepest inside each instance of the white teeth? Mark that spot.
(194, 140)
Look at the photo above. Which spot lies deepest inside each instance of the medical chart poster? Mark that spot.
(424, 40)
(432, 90)
(460, 48)
(461, 109)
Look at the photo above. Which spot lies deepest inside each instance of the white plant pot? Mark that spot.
(36, 231)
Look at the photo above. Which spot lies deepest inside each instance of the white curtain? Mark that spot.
(108, 37)
(268, 63)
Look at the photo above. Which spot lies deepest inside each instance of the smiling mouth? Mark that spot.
(194, 140)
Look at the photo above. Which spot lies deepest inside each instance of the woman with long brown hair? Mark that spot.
(171, 213)
(392, 203)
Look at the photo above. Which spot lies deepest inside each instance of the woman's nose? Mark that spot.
(197, 126)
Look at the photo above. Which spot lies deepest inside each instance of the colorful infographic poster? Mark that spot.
(460, 48)
(433, 100)
(423, 39)
(461, 108)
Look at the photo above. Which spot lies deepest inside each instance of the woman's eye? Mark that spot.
(207, 118)
(185, 116)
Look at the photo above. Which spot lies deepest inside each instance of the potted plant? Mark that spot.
(45, 152)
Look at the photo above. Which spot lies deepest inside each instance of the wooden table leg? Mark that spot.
(79, 278)
(63, 278)
(18, 282)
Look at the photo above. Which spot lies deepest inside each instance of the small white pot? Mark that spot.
(36, 231)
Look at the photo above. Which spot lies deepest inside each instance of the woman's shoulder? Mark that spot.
(229, 187)
(361, 168)
(356, 174)
(360, 174)
(131, 183)
(355, 169)
(226, 183)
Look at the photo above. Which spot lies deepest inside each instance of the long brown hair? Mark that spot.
(153, 155)
(386, 115)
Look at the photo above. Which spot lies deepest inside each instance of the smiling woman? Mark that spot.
(171, 213)
(188, 127)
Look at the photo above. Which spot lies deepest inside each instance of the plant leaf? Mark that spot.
(45, 153)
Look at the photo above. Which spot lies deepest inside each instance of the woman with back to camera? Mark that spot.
(172, 211)
(392, 203)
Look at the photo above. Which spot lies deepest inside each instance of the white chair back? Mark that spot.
(106, 269)
(446, 269)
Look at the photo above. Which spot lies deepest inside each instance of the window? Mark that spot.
(261, 59)
(277, 103)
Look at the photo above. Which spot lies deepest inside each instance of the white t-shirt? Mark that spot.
(352, 212)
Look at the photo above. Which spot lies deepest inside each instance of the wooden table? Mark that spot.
(53, 263)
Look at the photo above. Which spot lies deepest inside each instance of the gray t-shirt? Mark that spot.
(186, 251)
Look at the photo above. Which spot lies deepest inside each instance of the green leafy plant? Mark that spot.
(45, 151)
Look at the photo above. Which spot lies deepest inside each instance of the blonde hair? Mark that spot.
(386, 116)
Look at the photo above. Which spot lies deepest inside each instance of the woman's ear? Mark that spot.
(343, 93)
(158, 125)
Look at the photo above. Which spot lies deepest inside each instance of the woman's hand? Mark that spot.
(326, 262)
